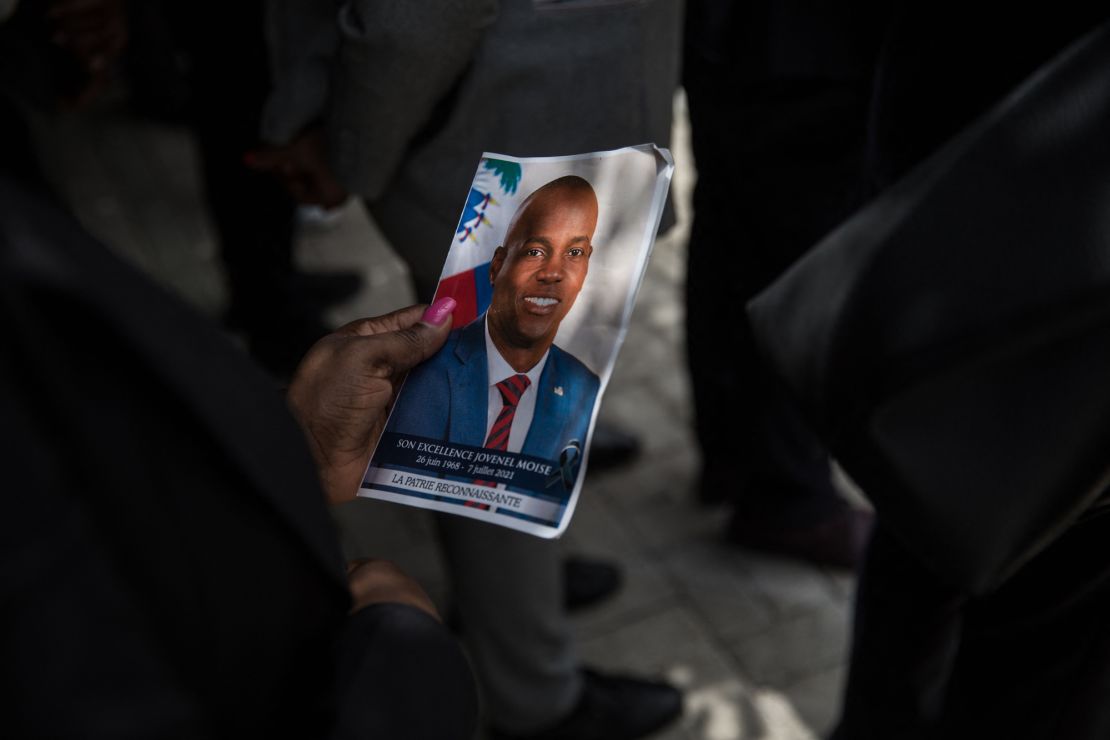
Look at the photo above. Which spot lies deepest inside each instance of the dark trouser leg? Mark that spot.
(252, 213)
(1033, 659)
(778, 166)
(402, 675)
(1030, 660)
(17, 153)
(906, 627)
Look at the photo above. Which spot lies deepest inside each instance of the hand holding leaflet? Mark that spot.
(343, 389)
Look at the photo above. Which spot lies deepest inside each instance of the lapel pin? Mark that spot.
(558, 390)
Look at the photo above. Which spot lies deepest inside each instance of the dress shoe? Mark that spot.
(611, 447)
(587, 581)
(612, 708)
(838, 541)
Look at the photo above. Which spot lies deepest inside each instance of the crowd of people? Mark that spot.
(223, 606)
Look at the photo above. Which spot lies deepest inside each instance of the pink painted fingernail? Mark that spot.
(438, 312)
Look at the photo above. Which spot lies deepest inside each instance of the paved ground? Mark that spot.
(758, 643)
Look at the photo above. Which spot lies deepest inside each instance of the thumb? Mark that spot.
(402, 349)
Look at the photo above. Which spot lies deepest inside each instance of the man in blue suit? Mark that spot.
(536, 276)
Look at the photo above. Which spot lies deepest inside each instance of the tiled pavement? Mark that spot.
(757, 643)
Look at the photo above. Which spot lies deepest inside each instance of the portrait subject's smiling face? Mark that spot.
(540, 269)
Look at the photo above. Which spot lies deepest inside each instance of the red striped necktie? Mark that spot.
(512, 388)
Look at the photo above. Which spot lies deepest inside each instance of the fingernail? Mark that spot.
(438, 312)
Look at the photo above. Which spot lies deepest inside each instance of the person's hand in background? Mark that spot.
(301, 166)
(93, 33)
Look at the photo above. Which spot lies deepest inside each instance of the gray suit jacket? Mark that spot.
(421, 89)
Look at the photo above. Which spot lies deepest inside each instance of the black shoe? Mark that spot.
(611, 447)
(612, 708)
(587, 582)
(838, 541)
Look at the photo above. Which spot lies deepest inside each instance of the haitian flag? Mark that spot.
(492, 201)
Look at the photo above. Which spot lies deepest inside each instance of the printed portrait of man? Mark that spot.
(500, 382)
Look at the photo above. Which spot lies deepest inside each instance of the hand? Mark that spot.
(382, 582)
(94, 33)
(301, 166)
(343, 389)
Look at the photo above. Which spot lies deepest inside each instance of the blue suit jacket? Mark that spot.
(447, 397)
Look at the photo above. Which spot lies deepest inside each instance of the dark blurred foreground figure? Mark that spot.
(952, 343)
(54, 55)
(167, 565)
(778, 95)
(182, 65)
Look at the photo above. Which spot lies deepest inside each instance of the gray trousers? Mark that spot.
(509, 593)
(507, 588)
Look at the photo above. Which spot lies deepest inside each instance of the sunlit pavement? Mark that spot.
(757, 643)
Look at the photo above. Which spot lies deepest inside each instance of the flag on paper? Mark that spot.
(492, 201)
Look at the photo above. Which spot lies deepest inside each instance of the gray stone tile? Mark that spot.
(795, 647)
(654, 497)
(791, 586)
(817, 698)
(597, 531)
(669, 642)
(662, 428)
(670, 521)
(643, 360)
(352, 242)
(658, 367)
(668, 263)
(645, 590)
(669, 470)
(720, 704)
(711, 577)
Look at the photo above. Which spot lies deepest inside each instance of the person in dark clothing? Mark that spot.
(1029, 658)
(207, 66)
(778, 96)
(275, 305)
(167, 563)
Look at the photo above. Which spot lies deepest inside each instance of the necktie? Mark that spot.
(511, 388)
